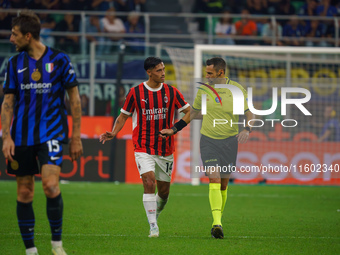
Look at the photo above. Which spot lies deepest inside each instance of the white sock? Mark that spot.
(150, 206)
(56, 243)
(33, 249)
(160, 204)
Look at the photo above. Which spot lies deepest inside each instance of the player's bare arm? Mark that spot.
(171, 131)
(195, 114)
(119, 124)
(6, 119)
(244, 134)
(76, 147)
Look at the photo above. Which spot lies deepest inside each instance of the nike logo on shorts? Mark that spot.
(54, 158)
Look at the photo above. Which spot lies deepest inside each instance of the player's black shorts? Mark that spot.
(219, 153)
(29, 159)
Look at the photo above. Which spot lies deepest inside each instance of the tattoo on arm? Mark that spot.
(7, 114)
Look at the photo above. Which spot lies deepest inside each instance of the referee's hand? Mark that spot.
(243, 136)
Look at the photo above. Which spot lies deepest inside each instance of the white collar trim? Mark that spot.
(151, 89)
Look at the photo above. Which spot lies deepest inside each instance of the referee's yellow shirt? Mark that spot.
(222, 112)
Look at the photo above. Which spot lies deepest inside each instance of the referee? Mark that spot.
(219, 143)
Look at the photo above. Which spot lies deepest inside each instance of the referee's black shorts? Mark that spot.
(219, 152)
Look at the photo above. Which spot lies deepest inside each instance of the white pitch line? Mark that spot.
(171, 236)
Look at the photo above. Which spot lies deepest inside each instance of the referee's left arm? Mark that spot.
(244, 134)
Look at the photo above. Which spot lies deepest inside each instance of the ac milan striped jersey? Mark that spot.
(153, 110)
(39, 88)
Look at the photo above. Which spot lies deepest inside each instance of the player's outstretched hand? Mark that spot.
(243, 136)
(76, 148)
(164, 133)
(106, 137)
(8, 147)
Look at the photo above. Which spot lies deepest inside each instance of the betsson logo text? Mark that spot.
(40, 88)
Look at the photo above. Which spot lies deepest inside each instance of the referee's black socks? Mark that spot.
(55, 216)
(26, 223)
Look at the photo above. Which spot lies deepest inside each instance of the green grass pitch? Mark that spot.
(105, 218)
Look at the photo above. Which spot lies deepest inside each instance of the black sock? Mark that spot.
(55, 216)
(26, 223)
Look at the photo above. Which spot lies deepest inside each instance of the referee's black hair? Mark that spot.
(151, 62)
(28, 22)
(218, 63)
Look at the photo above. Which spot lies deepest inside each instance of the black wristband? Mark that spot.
(174, 129)
(248, 129)
(179, 125)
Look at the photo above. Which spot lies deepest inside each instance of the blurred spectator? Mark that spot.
(133, 26)
(294, 28)
(112, 25)
(309, 8)
(51, 4)
(207, 6)
(268, 31)
(273, 6)
(83, 5)
(330, 32)
(93, 25)
(68, 43)
(225, 27)
(102, 5)
(5, 30)
(337, 6)
(285, 8)
(17, 4)
(235, 6)
(314, 29)
(258, 7)
(5, 4)
(5, 24)
(136, 5)
(120, 5)
(67, 5)
(246, 27)
(47, 26)
(326, 9)
(331, 128)
(35, 5)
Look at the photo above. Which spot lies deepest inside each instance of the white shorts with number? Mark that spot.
(160, 165)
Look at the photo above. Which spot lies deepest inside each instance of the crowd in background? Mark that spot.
(108, 24)
(226, 28)
(285, 27)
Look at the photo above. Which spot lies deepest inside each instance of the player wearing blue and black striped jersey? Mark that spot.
(35, 85)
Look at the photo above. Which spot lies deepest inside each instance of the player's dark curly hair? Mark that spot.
(151, 62)
(218, 63)
(28, 22)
